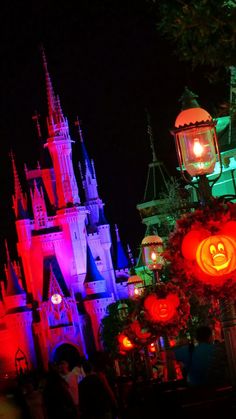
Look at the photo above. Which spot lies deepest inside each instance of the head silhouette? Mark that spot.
(204, 334)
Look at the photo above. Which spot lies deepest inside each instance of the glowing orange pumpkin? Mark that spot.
(124, 342)
(216, 255)
(161, 309)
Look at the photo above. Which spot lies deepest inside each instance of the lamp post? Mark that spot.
(152, 249)
(196, 145)
(197, 150)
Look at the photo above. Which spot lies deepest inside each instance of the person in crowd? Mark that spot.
(71, 379)
(57, 397)
(197, 359)
(78, 370)
(96, 401)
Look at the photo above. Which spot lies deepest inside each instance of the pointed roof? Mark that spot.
(157, 179)
(19, 199)
(49, 88)
(92, 272)
(102, 219)
(51, 267)
(12, 287)
(85, 162)
(122, 260)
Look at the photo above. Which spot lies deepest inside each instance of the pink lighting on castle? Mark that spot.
(58, 289)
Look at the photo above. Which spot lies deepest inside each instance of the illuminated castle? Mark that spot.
(57, 292)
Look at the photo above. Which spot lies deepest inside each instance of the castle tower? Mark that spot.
(97, 298)
(59, 146)
(16, 325)
(64, 249)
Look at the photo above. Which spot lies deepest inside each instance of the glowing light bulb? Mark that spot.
(136, 291)
(56, 299)
(153, 256)
(197, 148)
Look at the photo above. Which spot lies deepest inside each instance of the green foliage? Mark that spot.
(203, 32)
(112, 324)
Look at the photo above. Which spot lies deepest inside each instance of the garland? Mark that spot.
(185, 273)
(151, 329)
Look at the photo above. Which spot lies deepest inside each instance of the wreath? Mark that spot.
(216, 221)
(163, 310)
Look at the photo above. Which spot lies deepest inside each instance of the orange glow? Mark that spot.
(153, 256)
(152, 347)
(197, 148)
(161, 309)
(216, 255)
(125, 343)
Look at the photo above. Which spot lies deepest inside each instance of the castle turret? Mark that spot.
(59, 146)
(97, 298)
(16, 325)
(19, 198)
(89, 181)
(39, 207)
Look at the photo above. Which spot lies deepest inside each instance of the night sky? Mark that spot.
(108, 63)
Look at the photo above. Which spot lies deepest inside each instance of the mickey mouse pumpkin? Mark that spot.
(215, 254)
(161, 309)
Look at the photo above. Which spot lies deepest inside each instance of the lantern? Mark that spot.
(135, 285)
(152, 249)
(123, 310)
(195, 138)
(161, 309)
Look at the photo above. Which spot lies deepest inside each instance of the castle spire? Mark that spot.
(121, 258)
(49, 88)
(85, 163)
(13, 286)
(19, 199)
(92, 272)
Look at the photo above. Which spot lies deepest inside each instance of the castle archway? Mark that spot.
(68, 353)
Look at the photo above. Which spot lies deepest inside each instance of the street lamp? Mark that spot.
(135, 285)
(152, 250)
(196, 145)
(197, 150)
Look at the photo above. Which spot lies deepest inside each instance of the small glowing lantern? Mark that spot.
(152, 249)
(195, 138)
(135, 285)
(56, 299)
(123, 310)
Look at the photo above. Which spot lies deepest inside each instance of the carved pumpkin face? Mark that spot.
(161, 309)
(216, 255)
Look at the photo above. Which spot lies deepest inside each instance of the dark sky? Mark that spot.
(107, 63)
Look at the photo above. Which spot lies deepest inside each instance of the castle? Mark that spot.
(57, 292)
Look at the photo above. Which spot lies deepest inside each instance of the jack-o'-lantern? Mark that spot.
(216, 255)
(124, 342)
(161, 309)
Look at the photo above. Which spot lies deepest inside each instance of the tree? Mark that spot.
(203, 32)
